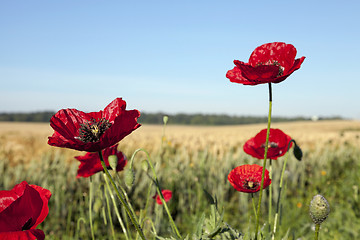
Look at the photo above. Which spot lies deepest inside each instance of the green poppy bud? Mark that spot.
(145, 165)
(113, 161)
(165, 119)
(129, 177)
(319, 209)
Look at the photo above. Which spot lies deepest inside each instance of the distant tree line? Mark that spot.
(211, 119)
(27, 117)
(157, 118)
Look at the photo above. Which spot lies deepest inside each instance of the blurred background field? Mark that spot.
(189, 159)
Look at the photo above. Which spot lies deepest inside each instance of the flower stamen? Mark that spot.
(92, 130)
(270, 145)
(250, 184)
(275, 63)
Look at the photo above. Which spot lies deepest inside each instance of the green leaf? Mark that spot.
(209, 197)
(200, 225)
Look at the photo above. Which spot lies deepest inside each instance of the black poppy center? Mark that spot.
(27, 225)
(250, 184)
(92, 130)
(270, 145)
(274, 63)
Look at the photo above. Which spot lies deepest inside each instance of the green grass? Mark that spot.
(331, 170)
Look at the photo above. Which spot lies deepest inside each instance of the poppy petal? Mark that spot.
(23, 211)
(31, 234)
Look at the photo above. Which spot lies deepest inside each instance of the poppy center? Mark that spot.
(27, 225)
(92, 130)
(274, 63)
(270, 145)
(250, 184)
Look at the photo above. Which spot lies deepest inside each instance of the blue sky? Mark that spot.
(172, 56)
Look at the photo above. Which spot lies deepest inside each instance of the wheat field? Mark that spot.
(188, 160)
(22, 142)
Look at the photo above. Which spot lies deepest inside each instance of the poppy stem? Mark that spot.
(115, 206)
(143, 213)
(90, 206)
(253, 203)
(317, 229)
(158, 189)
(121, 198)
(280, 188)
(109, 213)
(270, 196)
(123, 192)
(264, 165)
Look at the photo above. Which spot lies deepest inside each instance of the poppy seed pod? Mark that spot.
(319, 209)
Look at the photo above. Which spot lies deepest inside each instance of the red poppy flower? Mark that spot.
(247, 178)
(94, 131)
(167, 196)
(21, 210)
(90, 163)
(268, 63)
(277, 147)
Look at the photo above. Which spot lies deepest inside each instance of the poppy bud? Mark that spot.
(129, 177)
(319, 209)
(113, 161)
(145, 165)
(298, 152)
(165, 119)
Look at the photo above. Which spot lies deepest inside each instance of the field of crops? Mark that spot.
(189, 160)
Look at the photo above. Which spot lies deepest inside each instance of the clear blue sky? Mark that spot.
(172, 56)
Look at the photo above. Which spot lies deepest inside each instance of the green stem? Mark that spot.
(78, 227)
(264, 165)
(115, 206)
(123, 192)
(253, 203)
(158, 189)
(90, 210)
(144, 212)
(109, 213)
(280, 188)
(270, 196)
(317, 229)
(121, 198)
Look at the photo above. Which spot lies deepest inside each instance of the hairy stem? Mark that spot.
(317, 229)
(264, 165)
(109, 214)
(280, 188)
(121, 198)
(158, 189)
(115, 206)
(90, 208)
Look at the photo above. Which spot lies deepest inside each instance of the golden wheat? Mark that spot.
(22, 142)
